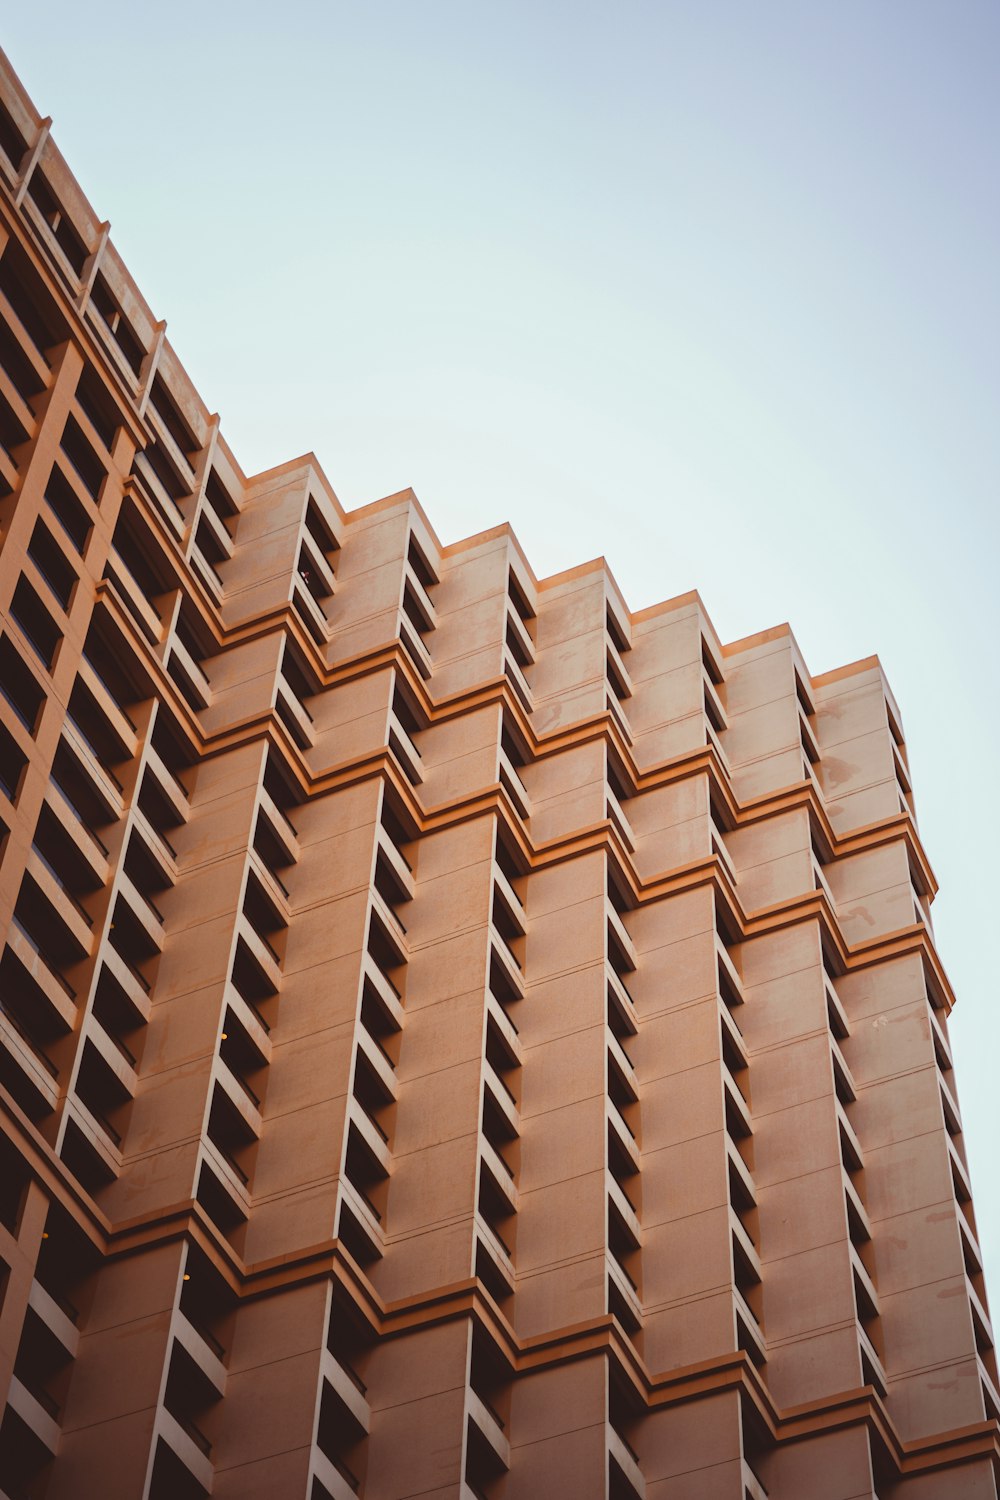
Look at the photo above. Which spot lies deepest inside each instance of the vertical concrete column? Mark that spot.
(264, 1445)
(558, 1429)
(693, 1451)
(562, 1218)
(930, 1345)
(301, 1151)
(827, 1466)
(686, 1258)
(111, 1409)
(170, 1112)
(417, 1383)
(435, 1147)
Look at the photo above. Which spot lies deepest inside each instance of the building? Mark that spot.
(459, 1037)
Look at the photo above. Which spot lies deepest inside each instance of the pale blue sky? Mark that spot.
(708, 288)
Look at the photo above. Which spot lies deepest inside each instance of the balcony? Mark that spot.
(623, 1137)
(419, 606)
(347, 1388)
(808, 739)
(512, 784)
(510, 901)
(39, 1072)
(626, 1289)
(104, 786)
(500, 1174)
(294, 715)
(132, 985)
(85, 841)
(404, 749)
(312, 612)
(851, 1152)
(517, 680)
(117, 720)
(498, 1255)
(388, 997)
(731, 985)
(519, 636)
(242, 1100)
(201, 1348)
(60, 995)
(616, 816)
(502, 1098)
(144, 911)
(282, 830)
(722, 854)
(626, 1212)
(191, 672)
(489, 1425)
(76, 921)
(261, 953)
(34, 1415)
(618, 675)
(391, 926)
(399, 873)
(836, 1015)
(621, 1454)
(614, 708)
(618, 937)
(414, 646)
(168, 783)
(843, 1079)
(748, 1331)
(185, 1446)
(712, 739)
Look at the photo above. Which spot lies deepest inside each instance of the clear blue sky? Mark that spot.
(708, 288)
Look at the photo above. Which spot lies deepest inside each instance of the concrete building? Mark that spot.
(459, 1037)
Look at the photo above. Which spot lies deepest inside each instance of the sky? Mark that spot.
(710, 289)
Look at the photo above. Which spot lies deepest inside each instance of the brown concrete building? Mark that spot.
(459, 1037)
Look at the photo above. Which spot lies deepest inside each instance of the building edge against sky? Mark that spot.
(457, 1036)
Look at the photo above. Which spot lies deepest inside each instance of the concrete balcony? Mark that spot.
(616, 815)
(251, 1022)
(874, 1362)
(517, 680)
(34, 1415)
(184, 1447)
(746, 1245)
(625, 1211)
(294, 715)
(734, 1035)
(740, 1169)
(502, 955)
(391, 926)
(502, 1096)
(364, 1213)
(517, 628)
(510, 779)
(191, 671)
(498, 1170)
(618, 673)
(388, 995)
(857, 1213)
(712, 739)
(244, 1102)
(622, 999)
(143, 910)
(85, 840)
(404, 749)
(723, 855)
(401, 872)
(52, 987)
(625, 1287)
(282, 829)
(426, 613)
(414, 646)
(843, 1077)
(167, 783)
(736, 1106)
(489, 1425)
(505, 1026)
(231, 1177)
(317, 560)
(261, 953)
(748, 1328)
(853, 1156)
(334, 1480)
(65, 905)
(378, 1062)
(371, 1135)
(115, 717)
(347, 1388)
(617, 930)
(197, 1346)
(510, 900)
(624, 1064)
(55, 1319)
(208, 514)
(752, 1487)
(625, 1458)
(131, 986)
(112, 1055)
(836, 1014)
(273, 886)
(498, 1253)
(104, 785)
(617, 713)
(311, 610)
(623, 1136)
(100, 1134)
(727, 969)
(38, 1071)
(713, 703)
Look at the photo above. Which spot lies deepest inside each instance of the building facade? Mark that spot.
(458, 1037)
